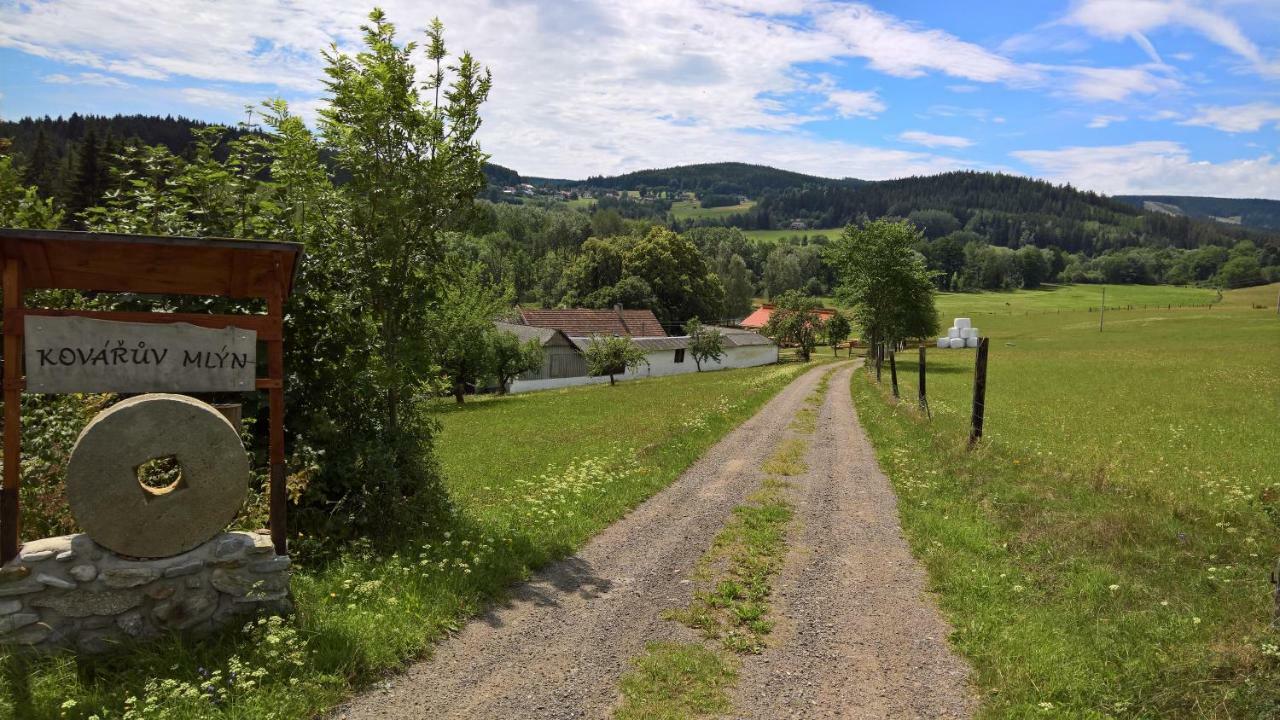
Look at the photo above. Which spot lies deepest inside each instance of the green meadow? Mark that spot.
(1106, 550)
(532, 477)
(1062, 298)
(773, 236)
(690, 209)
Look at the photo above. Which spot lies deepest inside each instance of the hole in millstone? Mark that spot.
(160, 475)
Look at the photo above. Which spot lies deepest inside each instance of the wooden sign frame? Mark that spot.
(109, 262)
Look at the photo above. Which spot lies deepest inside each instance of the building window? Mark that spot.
(680, 355)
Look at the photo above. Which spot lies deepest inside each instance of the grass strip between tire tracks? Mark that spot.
(731, 607)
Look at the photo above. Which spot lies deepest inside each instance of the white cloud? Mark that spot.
(212, 97)
(855, 103)
(85, 78)
(1236, 118)
(580, 86)
(1101, 121)
(906, 50)
(1118, 19)
(930, 140)
(1112, 84)
(1154, 167)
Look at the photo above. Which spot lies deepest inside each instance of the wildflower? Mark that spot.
(1113, 588)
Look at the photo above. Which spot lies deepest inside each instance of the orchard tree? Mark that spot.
(838, 330)
(508, 358)
(705, 343)
(885, 281)
(462, 327)
(795, 321)
(612, 355)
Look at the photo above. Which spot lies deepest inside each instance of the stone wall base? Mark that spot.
(71, 592)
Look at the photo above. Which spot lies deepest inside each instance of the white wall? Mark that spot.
(662, 362)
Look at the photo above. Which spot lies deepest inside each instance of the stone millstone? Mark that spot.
(121, 514)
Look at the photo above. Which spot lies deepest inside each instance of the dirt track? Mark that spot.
(856, 638)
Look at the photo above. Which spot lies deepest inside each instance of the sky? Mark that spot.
(1116, 96)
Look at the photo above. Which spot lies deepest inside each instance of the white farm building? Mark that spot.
(565, 334)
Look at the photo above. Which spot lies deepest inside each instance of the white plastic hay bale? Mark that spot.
(957, 343)
(944, 342)
(973, 332)
(966, 332)
(963, 323)
(971, 342)
(953, 332)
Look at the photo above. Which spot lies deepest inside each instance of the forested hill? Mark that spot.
(1006, 209)
(716, 178)
(1251, 212)
(66, 158)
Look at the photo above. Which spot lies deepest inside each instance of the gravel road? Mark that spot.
(857, 638)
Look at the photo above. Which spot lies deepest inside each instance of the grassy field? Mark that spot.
(1055, 298)
(532, 476)
(773, 236)
(691, 209)
(1105, 551)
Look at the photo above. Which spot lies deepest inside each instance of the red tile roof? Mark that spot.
(581, 322)
(760, 317)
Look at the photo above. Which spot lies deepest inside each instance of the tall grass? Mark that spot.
(1106, 550)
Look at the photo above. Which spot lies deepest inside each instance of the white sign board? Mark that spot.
(79, 354)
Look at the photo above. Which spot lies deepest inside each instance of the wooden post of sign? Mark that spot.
(275, 398)
(924, 398)
(979, 393)
(893, 373)
(12, 410)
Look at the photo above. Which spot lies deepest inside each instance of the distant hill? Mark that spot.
(1006, 209)
(1257, 213)
(717, 178)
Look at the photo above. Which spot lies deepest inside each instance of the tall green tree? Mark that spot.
(413, 169)
(41, 170)
(795, 321)
(838, 330)
(683, 286)
(92, 175)
(21, 205)
(739, 290)
(885, 281)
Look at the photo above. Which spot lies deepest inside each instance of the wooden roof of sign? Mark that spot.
(110, 262)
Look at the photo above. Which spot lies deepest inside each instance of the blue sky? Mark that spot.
(1141, 96)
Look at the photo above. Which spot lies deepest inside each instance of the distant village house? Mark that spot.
(565, 334)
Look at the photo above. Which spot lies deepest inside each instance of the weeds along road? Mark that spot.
(856, 634)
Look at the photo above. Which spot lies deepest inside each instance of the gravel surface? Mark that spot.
(857, 636)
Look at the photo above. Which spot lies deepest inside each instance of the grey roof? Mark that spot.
(648, 344)
(526, 333)
(738, 337)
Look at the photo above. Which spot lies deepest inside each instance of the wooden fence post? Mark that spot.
(979, 393)
(879, 359)
(893, 373)
(924, 398)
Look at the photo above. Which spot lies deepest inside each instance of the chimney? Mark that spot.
(618, 309)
